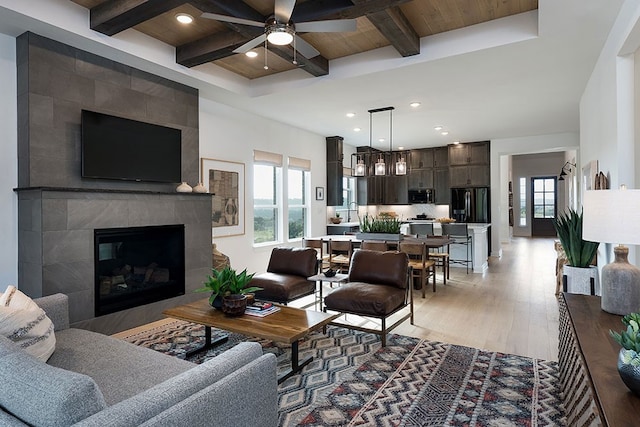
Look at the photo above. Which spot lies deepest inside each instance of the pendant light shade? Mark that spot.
(359, 169)
(381, 167)
(401, 165)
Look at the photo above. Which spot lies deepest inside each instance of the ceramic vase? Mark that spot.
(184, 188)
(234, 304)
(199, 188)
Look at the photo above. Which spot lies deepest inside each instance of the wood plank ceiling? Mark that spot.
(380, 23)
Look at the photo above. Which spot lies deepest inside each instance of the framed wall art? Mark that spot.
(225, 181)
(319, 193)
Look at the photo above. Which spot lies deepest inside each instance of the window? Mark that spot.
(544, 197)
(267, 184)
(349, 202)
(523, 202)
(297, 202)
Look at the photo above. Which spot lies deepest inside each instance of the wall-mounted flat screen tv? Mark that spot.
(124, 149)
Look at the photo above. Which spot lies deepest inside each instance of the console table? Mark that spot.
(592, 389)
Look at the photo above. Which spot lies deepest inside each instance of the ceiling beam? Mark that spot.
(395, 27)
(210, 48)
(316, 66)
(114, 16)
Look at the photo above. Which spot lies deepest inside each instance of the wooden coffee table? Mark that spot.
(287, 325)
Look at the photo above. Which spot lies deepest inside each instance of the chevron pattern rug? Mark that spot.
(352, 381)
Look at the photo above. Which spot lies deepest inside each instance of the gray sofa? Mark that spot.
(95, 380)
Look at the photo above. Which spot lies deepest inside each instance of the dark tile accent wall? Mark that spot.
(55, 238)
(56, 82)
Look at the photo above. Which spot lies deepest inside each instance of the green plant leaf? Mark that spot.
(568, 227)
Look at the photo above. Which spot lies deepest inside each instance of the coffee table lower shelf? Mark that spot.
(288, 325)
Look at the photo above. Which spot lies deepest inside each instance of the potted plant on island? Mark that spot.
(582, 277)
(629, 356)
(383, 227)
(228, 290)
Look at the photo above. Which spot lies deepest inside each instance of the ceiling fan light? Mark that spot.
(252, 54)
(280, 35)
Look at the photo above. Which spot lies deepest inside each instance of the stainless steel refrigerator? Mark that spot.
(470, 204)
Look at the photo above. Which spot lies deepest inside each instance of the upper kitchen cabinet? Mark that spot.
(441, 186)
(469, 176)
(419, 179)
(474, 153)
(334, 193)
(395, 190)
(421, 159)
(441, 157)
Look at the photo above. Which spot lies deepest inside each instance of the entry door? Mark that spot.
(545, 205)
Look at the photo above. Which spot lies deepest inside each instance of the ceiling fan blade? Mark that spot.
(251, 44)
(328, 26)
(283, 10)
(305, 48)
(225, 18)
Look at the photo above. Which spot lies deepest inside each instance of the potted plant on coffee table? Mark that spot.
(235, 301)
(225, 283)
(629, 356)
(582, 277)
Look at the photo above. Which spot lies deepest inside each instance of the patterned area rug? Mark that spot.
(352, 381)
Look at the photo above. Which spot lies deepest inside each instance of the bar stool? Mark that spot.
(459, 233)
(441, 257)
(421, 229)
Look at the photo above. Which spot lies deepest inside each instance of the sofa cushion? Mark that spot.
(281, 287)
(43, 395)
(26, 324)
(120, 369)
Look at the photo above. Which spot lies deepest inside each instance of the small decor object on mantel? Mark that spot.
(199, 188)
(184, 188)
(629, 356)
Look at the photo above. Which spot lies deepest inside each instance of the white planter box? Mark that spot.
(578, 280)
(380, 236)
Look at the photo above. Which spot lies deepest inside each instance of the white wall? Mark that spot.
(499, 185)
(608, 110)
(230, 134)
(8, 163)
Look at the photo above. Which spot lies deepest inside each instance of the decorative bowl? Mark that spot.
(330, 273)
(336, 220)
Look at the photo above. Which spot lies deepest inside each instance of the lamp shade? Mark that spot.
(611, 216)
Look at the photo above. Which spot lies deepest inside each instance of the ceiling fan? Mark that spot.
(280, 30)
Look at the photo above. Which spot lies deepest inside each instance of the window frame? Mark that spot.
(305, 205)
(276, 206)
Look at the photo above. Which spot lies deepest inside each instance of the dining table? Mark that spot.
(430, 242)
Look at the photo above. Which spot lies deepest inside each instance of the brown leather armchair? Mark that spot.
(378, 286)
(286, 276)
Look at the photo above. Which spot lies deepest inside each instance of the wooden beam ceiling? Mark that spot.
(114, 16)
(396, 28)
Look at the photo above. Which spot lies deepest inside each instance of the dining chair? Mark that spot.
(421, 267)
(441, 256)
(340, 252)
(318, 245)
(421, 229)
(459, 233)
(375, 245)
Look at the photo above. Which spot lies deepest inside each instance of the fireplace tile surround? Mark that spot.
(58, 209)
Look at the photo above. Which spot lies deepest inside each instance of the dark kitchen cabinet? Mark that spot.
(476, 153)
(469, 176)
(334, 194)
(441, 186)
(396, 191)
(371, 190)
(441, 157)
(420, 178)
(420, 159)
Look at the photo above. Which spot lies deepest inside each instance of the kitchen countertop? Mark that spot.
(344, 224)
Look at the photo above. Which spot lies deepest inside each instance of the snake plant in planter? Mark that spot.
(629, 356)
(581, 276)
(379, 228)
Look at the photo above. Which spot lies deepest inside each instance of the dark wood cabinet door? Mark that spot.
(334, 194)
(479, 153)
(420, 179)
(479, 175)
(396, 192)
(441, 186)
(458, 154)
(421, 159)
(440, 157)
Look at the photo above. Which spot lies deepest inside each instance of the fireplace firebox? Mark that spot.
(137, 265)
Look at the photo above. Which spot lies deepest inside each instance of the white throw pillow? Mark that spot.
(26, 324)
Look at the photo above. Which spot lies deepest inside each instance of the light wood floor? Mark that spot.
(510, 309)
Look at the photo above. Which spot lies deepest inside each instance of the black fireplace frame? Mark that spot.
(135, 299)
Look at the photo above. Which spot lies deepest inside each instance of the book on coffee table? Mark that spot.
(262, 313)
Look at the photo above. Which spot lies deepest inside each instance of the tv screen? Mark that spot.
(118, 148)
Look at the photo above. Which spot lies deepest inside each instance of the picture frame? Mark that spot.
(319, 193)
(225, 181)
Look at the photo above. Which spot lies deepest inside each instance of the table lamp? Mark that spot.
(611, 216)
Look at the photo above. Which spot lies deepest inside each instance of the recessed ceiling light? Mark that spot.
(351, 115)
(184, 18)
(400, 148)
(438, 128)
(456, 142)
(444, 133)
(381, 139)
(415, 104)
(357, 129)
(252, 54)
